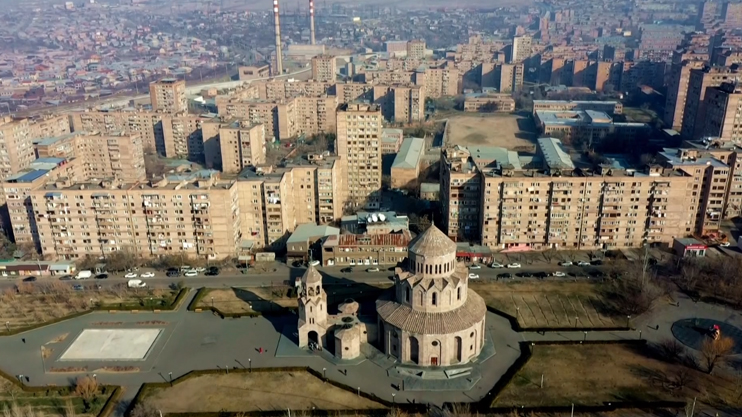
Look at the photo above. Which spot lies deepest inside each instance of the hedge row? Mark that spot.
(202, 292)
(108, 407)
(606, 407)
(121, 307)
(518, 328)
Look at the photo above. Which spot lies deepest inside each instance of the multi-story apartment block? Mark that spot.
(401, 104)
(487, 194)
(723, 106)
(281, 89)
(49, 126)
(695, 109)
(99, 156)
(358, 143)
(324, 68)
(677, 90)
(350, 92)
(16, 147)
(521, 49)
(439, 82)
(232, 144)
(416, 49)
(511, 77)
(168, 95)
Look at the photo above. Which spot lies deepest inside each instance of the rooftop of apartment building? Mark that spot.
(35, 170)
(168, 183)
(54, 139)
(580, 118)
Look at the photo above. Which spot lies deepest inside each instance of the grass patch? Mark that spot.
(34, 304)
(550, 304)
(53, 401)
(255, 391)
(638, 115)
(591, 375)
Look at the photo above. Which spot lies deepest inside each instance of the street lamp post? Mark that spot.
(393, 395)
(170, 374)
(249, 361)
(7, 326)
(212, 302)
(576, 319)
(584, 339)
(359, 391)
(640, 335)
(324, 373)
(628, 321)
(159, 412)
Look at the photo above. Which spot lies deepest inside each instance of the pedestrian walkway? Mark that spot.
(579, 336)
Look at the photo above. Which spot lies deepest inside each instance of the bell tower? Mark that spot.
(312, 298)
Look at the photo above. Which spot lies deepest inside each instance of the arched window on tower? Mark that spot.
(458, 293)
(435, 298)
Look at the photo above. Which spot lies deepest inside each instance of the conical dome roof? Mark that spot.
(311, 276)
(432, 242)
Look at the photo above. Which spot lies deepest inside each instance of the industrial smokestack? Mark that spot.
(311, 21)
(279, 53)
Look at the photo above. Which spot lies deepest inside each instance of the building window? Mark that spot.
(458, 294)
(435, 298)
(407, 295)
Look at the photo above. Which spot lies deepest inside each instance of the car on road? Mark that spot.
(583, 263)
(596, 262)
(314, 263)
(173, 273)
(130, 275)
(346, 270)
(101, 276)
(596, 274)
(505, 276)
(514, 265)
(148, 275)
(523, 275)
(559, 274)
(29, 279)
(541, 275)
(66, 278)
(475, 266)
(78, 287)
(473, 276)
(191, 273)
(212, 271)
(496, 265)
(372, 270)
(200, 269)
(565, 263)
(724, 244)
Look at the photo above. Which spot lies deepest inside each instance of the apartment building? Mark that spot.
(253, 72)
(49, 126)
(358, 144)
(521, 49)
(511, 77)
(400, 104)
(168, 95)
(489, 102)
(439, 82)
(361, 250)
(193, 218)
(695, 110)
(391, 140)
(233, 144)
(281, 89)
(486, 193)
(351, 92)
(677, 91)
(416, 49)
(324, 68)
(723, 106)
(101, 156)
(16, 147)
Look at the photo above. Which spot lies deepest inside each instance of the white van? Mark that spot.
(136, 283)
(85, 274)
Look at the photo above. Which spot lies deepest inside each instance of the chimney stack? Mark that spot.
(279, 52)
(311, 21)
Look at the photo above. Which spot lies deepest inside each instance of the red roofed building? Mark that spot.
(366, 250)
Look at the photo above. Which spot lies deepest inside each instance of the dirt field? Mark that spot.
(625, 373)
(549, 304)
(514, 132)
(37, 303)
(255, 391)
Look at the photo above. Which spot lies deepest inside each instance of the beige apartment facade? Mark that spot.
(400, 104)
(232, 144)
(695, 110)
(358, 144)
(324, 68)
(416, 49)
(168, 95)
(723, 106)
(16, 147)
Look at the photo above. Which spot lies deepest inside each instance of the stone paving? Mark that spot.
(192, 341)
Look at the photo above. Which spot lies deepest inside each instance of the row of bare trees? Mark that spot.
(718, 277)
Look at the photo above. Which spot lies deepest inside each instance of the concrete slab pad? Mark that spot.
(111, 344)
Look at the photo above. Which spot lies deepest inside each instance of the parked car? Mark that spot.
(559, 274)
(724, 244)
(565, 263)
(523, 275)
(212, 271)
(596, 274)
(473, 276)
(314, 263)
(475, 266)
(200, 269)
(66, 278)
(101, 276)
(136, 283)
(514, 265)
(583, 263)
(596, 262)
(372, 270)
(505, 276)
(496, 265)
(78, 287)
(173, 273)
(541, 275)
(148, 274)
(191, 273)
(346, 270)
(130, 275)
(29, 279)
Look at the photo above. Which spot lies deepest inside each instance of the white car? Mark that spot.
(473, 276)
(130, 275)
(314, 263)
(372, 270)
(200, 269)
(191, 273)
(559, 274)
(583, 263)
(148, 275)
(724, 244)
(565, 263)
(514, 265)
(496, 265)
(475, 266)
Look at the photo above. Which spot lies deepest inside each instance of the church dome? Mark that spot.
(432, 242)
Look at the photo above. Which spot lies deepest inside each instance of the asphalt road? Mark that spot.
(284, 275)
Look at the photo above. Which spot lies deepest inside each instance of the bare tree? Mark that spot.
(549, 254)
(689, 274)
(144, 409)
(86, 387)
(715, 351)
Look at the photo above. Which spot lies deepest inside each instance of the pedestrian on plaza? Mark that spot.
(24, 340)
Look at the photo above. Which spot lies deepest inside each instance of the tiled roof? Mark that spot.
(405, 318)
(432, 242)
